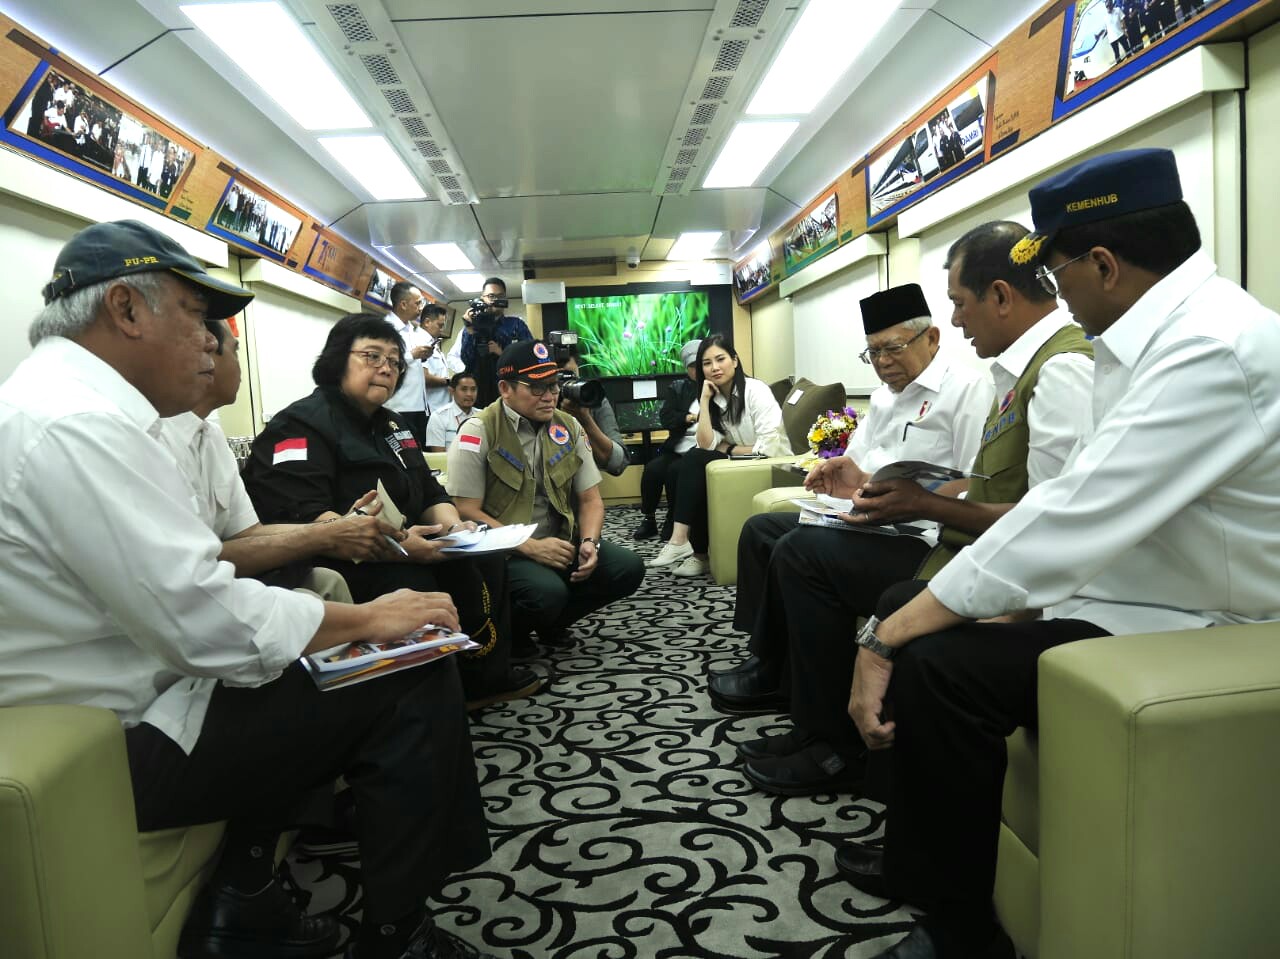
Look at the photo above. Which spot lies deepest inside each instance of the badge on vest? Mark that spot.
(1000, 425)
(1004, 403)
(559, 435)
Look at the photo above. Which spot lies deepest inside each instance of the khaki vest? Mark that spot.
(509, 481)
(1002, 457)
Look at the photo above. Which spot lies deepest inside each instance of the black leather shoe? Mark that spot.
(917, 945)
(520, 682)
(863, 867)
(770, 747)
(816, 768)
(750, 687)
(431, 942)
(270, 923)
(557, 637)
(648, 529)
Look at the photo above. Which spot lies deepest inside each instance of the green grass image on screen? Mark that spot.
(637, 334)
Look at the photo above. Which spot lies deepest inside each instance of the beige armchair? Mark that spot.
(78, 879)
(1142, 823)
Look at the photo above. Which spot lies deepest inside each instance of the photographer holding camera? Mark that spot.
(488, 332)
(585, 401)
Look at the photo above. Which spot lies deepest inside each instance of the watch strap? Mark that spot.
(867, 638)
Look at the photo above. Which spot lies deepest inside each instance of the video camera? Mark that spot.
(589, 393)
(485, 317)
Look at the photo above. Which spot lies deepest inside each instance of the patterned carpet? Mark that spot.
(620, 825)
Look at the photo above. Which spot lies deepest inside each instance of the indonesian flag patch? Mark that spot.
(467, 441)
(287, 451)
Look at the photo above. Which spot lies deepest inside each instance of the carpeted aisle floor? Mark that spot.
(620, 825)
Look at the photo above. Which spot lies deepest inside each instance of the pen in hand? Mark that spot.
(360, 511)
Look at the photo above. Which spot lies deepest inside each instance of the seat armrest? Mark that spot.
(731, 484)
(1157, 794)
(70, 870)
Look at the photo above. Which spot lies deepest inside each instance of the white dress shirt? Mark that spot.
(113, 593)
(207, 464)
(444, 423)
(439, 363)
(1059, 411)
(411, 393)
(761, 423)
(1168, 514)
(937, 418)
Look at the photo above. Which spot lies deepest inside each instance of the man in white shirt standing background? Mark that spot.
(1148, 528)
(438, 367)
(410, 397)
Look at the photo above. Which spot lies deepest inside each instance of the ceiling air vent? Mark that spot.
(694, 137)
(440, 166)
(400, 101)
(730, 56)
(716, 88)
(686, 157)
(351, 21)
(415, 127)
(450, 183)
(679, 173)
(428, 148)
(381, 70)
(457, 196)
(749, 13)
(703, 115)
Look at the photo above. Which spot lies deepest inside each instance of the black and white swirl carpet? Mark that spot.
(620, 824)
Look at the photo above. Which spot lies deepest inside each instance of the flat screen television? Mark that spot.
(637, 330)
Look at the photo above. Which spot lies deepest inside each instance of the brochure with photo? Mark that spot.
(357, 662)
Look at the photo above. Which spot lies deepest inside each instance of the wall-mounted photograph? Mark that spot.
(380, 287)
(813, 234)
(250, 215)
(752, 275)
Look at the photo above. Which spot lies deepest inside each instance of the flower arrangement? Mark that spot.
(829, 435)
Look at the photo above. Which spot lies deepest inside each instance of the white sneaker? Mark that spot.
(693, 566)
(670, 554)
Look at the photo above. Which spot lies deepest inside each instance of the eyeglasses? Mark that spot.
(1048, 280)
(870, 355)
(374, 360)
(540, 391)
(490, 297)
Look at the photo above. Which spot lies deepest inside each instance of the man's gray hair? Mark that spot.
(918, 324)
(74, 313)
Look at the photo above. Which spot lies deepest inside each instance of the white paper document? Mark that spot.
(487, 540)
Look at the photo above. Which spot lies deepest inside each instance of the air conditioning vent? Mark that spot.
(351, 22)
(730, 56)
(428, 148)
(693, 138)
(457, 196)
(716, 88)
(686, 157)
(703, 115)
(674, 186)
(679, 173)
(450, 183)
(415, 127)
(440, 166)
(749, 13)
(400, 101)
(381, 70)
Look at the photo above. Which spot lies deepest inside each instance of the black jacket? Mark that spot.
(672, 415)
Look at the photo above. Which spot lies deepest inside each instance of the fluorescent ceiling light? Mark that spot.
(467, 282)
(693, 246)
(264, 41)
(445, 256)
(750, 147)
(375, 166)
(809, 63)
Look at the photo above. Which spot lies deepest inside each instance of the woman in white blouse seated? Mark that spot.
(737, 414)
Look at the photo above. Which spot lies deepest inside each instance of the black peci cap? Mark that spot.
(893, 306)
(106, 251)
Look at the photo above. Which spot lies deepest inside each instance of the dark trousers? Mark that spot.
(401, 741)
(806, 587)
(691, 495)
(955, 696)
(661, 472)
(478, 587)
(543, 598)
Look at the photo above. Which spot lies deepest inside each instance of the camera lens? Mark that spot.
(583, 392)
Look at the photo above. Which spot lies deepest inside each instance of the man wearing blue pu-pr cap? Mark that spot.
(1148, 528)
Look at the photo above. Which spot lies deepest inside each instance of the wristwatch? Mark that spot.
(868, 639)
(593, 540)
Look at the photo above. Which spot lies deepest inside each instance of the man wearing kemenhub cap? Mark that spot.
(929, 408)
(521, 460)
(114, 597)
(1118, 543)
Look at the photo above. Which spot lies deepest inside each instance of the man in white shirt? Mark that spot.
(410, 397)
(438, 367)
(114, 597)
(929, 408)
(1043, 368)
(1118, 543)
(276, 554)
(445, 420)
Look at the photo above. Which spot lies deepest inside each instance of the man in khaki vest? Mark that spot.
(1043, 371)
(520, 460)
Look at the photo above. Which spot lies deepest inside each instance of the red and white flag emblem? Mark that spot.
(286, 451)
(467, 441)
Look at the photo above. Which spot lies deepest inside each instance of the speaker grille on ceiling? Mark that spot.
(400, 101)
(415, 127)
(716, 88)
(729, 57)
(748, 13)
(381, 70)
(351, 22)
(703, 115)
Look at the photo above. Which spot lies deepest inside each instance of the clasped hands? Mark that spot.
(559, 554)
